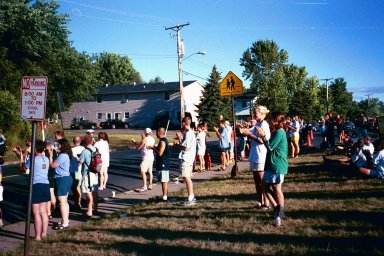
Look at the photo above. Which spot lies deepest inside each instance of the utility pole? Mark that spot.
(180, 54)
(369, 103)
(326, 85)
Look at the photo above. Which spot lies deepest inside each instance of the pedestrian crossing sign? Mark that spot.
(231, 85)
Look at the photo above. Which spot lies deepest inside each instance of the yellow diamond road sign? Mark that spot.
(231, 85)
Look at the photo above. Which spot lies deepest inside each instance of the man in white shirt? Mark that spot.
(187, 145)
(146, 145)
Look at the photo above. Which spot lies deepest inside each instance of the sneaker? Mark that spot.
(258, 205)
(277, 221)
(165, 198)
(265, 207)
(191, 202)
(143, 189)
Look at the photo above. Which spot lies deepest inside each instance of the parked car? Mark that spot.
(349, 125)
(113, 124)
(83, 124)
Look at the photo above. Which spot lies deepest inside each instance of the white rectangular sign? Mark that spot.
(33, 97)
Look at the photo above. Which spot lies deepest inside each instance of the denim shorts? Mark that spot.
(376, 174)
(63, 185)
(273, 178)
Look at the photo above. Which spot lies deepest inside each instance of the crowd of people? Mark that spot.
(268, 138)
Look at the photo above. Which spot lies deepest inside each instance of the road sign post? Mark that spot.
(231, 86)
(33, 106)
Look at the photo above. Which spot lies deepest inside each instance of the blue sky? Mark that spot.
(331, 38)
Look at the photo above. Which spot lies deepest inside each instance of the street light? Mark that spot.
(180, 62)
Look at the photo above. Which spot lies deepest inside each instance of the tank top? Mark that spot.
(162, 162)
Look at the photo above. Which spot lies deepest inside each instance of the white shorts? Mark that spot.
(201, 151)
(273, 178)
(146, 165)
(1, 193)
(256, 167)
(186, 169)
(93, 186)
(163, 176)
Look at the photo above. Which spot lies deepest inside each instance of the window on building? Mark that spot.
(126, 115)
(166, 95)
(244, 103)
(99, 115)
(108, 115)
(98, 99)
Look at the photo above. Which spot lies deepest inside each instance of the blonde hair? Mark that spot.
(262, 109)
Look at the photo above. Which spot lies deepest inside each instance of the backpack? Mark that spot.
(96, 162)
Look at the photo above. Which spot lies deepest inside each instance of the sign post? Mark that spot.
(32, 105)
(231, 86)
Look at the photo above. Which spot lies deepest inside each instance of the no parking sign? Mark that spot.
(33, 97)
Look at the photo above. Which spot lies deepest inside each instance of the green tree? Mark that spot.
(340, 97)
(116, 70)
(156, 80)
(212, 105)
(372, 107)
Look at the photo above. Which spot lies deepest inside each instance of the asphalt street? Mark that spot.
(124, 175)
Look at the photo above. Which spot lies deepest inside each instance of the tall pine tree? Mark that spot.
(212, 105)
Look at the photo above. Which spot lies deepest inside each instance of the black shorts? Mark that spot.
(40, 193)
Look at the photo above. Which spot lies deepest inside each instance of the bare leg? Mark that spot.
(223, 160)
(144, 178)
(89, 198)
(101, 179)
(37, 221)
(95, 197)
(64, 209)
(52, 204)
(150, 178)
(202, 163)
(189, 184)
(44, 219)
(164, 187)
(105, 177)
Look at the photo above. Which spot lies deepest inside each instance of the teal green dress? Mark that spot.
(277, 154)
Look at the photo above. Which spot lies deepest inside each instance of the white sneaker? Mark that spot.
(277, 221)
(190, 202)
(165, 198)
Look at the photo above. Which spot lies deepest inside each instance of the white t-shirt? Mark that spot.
(358, 158)
(200, 140)
(189, 141)
(147, 153)
(258, 152)
(76, 152)
(103, 147)
(296, 125)
(378, 160)
(370, 148)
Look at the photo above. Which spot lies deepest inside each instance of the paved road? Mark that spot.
(124, 175)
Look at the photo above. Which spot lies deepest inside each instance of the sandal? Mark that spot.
(150, 187)
(60, 227)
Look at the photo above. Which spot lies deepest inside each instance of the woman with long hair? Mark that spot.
(276, 163)
(63, 180)
(103, 146)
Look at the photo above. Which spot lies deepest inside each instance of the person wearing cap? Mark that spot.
(146, 148)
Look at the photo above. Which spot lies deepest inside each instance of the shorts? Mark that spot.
(256, 167)
(186, 169)
(273, 178)
(163, 176)
(76, 177)
(51, 182)
(1, 193)
(90, 183)
(63, 185)
(40, 193)
(223, 149)
(376, 174)
(146, 165)
(295, 138)
(231, 146)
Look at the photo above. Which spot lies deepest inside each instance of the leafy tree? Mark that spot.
(212, 105)
(372, 107)
(156, 80)
(341, 98)
(116, 70)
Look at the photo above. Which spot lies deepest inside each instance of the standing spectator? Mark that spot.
(294, 130)
(242, 138)
(340, 128)
(187, 145)
(276, 164)
(1, 191)
(162, 161)
(201, 147)
(51, 206)
(330, 123)
(258, 153)
(23, 156)
(230, 152)
(363, 124)
(223, 135)
(76, 174)
(3, 147)
(103, 146)
(63, 179)
(146, 148)
(40, 192)
(89, 180)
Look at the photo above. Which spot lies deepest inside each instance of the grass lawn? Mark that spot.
(325, 215)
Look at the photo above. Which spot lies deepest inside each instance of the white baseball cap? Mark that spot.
(148, 130)
(90, 131)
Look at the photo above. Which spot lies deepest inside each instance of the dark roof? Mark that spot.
(137, 88)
